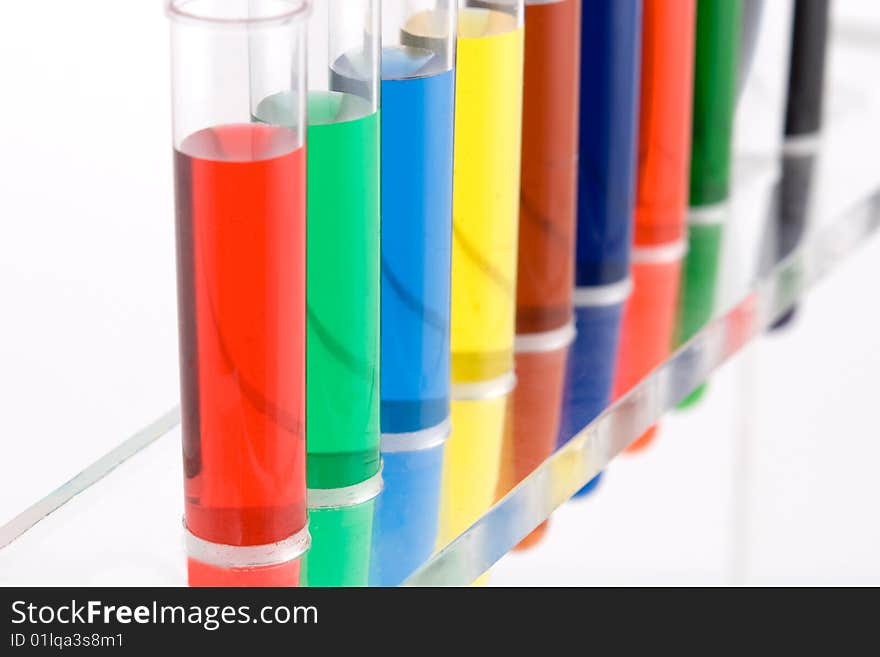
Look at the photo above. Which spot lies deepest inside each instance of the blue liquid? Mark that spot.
(610, 69)
(417, 138)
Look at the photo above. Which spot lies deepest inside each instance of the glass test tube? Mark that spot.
(665, 121)
(719, 24)
(241, 214)
(343, 256)
(343, 240)
(611, 33)
(418, 112)
(418, 90)
(610, 62)
(715, 74)
(803, 124)
(668, 34)
(488, 130)
(548, 182)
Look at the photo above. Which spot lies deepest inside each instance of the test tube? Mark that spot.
(241, 218)
(665, 122)
(715, 75)
(548, 182)
(418, 92)
(418, 112)
(666, 100)
(488, 130)
(611, 32)
(343, 261)
(803, 124)
(548, 217)
(648, 320)
(715, 78)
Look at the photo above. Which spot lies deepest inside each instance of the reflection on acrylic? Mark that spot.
(341, 545)
(405, 526)
(533, 417)
(590, 371)
(697, 298)
(472, 463)
(648, 320)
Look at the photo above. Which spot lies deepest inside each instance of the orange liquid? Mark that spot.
(548, 186)
(668, 35)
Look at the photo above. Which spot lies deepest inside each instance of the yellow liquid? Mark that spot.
(471, 465)
(488, 124)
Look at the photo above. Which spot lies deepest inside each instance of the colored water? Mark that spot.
(548, 184)
(241, 293)
(610, 61)
(343, 284)
(665, 121)
(417, 121)
(715, 72)
(488, 122)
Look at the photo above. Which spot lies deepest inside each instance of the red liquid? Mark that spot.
(241, 295)
(668, 33)
(548, 185)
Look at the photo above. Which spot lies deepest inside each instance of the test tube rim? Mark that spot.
(298, 10)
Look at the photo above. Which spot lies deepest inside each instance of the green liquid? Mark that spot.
(343, 277)
(697, 297)
(715, 77)
(341, 543)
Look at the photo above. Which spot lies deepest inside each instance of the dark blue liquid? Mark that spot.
(610, 69)
(417, 138)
